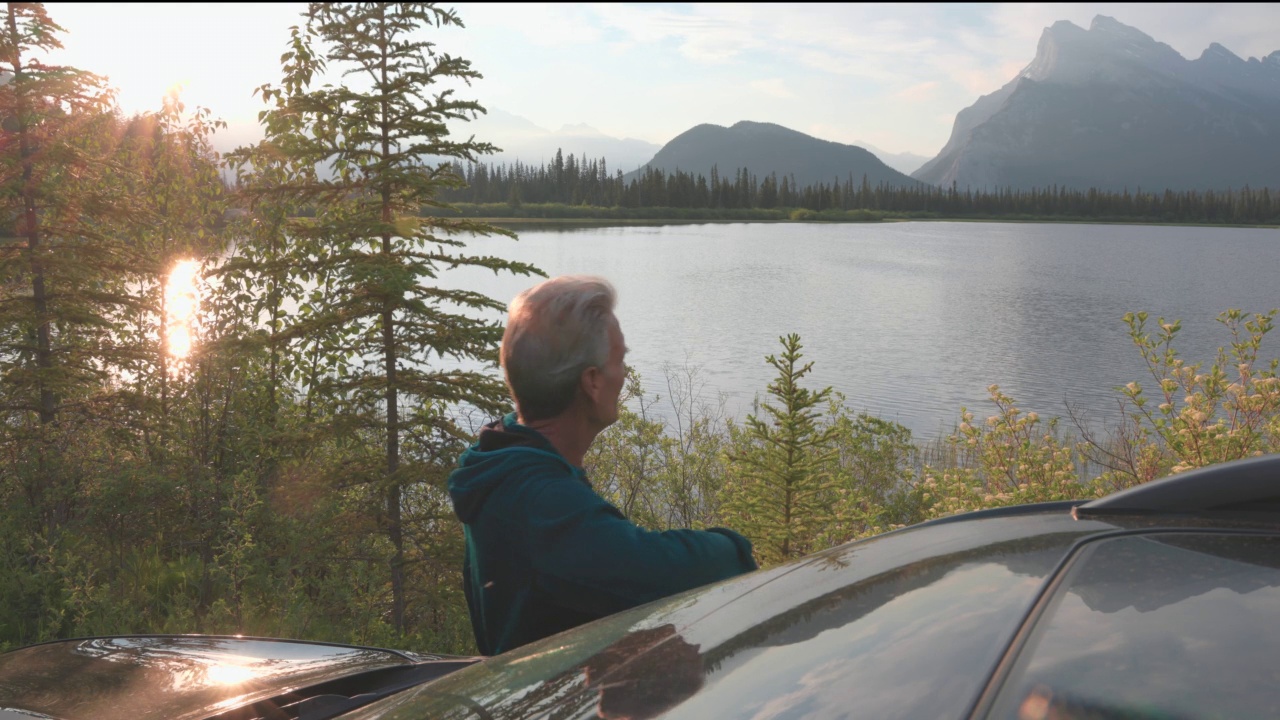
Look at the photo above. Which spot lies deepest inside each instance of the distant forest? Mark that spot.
(571, 181)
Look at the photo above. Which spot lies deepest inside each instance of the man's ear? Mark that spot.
(590, 381)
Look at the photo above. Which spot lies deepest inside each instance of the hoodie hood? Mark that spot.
(504, 446)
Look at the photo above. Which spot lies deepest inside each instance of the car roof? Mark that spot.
(1248, 485)
(784, 613)
(722, 630)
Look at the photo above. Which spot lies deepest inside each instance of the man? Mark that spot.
(544, 552)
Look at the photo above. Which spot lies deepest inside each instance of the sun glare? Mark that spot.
(182, 301)
(229, 674)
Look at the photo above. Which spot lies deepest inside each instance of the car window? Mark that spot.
(1156, 626)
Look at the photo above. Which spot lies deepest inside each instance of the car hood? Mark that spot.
(171, 677)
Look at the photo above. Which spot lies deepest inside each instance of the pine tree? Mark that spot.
(383, 322)
(783, 464)
(62, 266)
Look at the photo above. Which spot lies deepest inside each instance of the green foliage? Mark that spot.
(58, 272)
(582, 187)
(626, 459)
(372, 317)
(663, 473)
(783, 485)
(1012, 458)
(1201, 416)
(878, 488)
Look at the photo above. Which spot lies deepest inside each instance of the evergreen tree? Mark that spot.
(782, 465)
(62, 266)
(383, 321)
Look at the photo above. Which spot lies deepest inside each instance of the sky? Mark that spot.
(890, 75)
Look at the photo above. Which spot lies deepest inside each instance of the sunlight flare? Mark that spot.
(230, 674)
(182, 302)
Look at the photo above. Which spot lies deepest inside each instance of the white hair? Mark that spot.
(555, 330)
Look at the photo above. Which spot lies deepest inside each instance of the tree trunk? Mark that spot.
(395, 530)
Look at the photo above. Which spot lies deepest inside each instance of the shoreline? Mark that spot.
(641, 222)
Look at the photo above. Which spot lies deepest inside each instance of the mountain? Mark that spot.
(763, 148)
(521, 139)
(1112, 108)
(904, 162)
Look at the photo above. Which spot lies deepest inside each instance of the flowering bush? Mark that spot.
(1012, 458)
(1229, 411)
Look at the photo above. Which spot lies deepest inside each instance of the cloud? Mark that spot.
(545, 25)
(774, 87)
(918, 92)
(714, 34)
(894, 74)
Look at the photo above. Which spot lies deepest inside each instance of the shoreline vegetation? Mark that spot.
(553, 214)
(572, 187)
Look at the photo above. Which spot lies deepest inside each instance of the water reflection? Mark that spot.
(1170, 625)
(182, 303)
(644, 674)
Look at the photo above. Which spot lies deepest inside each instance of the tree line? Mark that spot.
(574, 181)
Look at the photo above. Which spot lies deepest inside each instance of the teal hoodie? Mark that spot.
(546, 553)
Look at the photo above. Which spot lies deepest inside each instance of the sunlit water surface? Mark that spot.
(910, 321)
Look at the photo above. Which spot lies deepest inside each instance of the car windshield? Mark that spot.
(1157, 626)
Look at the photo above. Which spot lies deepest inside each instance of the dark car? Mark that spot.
(1162, 601)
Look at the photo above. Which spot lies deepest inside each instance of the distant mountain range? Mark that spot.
(765, 148)
(520, 139)
(1112, 108)
(904, 162)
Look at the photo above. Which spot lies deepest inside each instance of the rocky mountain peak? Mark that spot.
(1068, 53)
(1113, 107)
(1110, 27)
(1219, 54)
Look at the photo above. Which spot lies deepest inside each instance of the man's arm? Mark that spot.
(590, 558)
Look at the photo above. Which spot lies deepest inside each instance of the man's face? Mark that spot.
(613, 376)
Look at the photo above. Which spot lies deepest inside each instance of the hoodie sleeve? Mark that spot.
(589, 557)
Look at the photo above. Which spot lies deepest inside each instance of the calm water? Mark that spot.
(910, 321)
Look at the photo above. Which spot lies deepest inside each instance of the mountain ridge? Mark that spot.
(1111, 107)
(765, 148)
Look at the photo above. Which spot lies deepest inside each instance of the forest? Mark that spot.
(230, 406)
(582, 187)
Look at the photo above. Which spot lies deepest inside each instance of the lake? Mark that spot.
(909, 320)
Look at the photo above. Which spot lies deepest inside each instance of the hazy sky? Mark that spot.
(890, 75)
